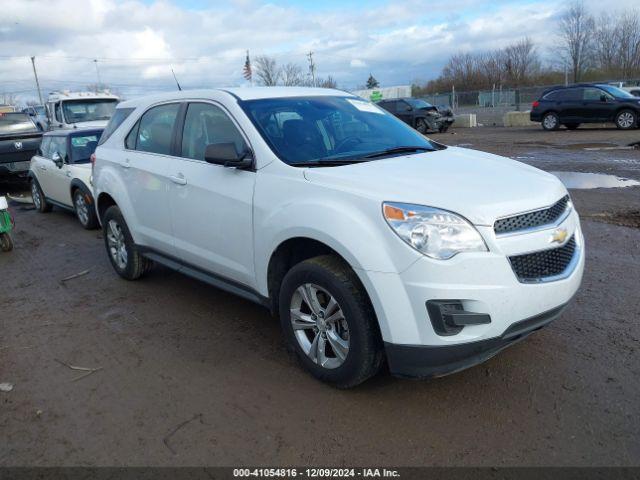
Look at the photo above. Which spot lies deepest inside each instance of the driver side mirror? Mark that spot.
(225, 154)
(603, 98)
(408, 108)
(57, 159)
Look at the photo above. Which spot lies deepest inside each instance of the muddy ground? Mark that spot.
(190, 375)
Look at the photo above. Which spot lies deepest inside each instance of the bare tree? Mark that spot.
(520, 62)
(267, 70)
(576, 30)
(605, 44)
(628, 28)
(328, 82)
(291, 75)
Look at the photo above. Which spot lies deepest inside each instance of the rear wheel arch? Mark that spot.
(104, 201)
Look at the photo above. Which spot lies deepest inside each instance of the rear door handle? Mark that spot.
(179, 179)
(42, 167)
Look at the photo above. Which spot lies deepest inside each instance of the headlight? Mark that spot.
(436, 233)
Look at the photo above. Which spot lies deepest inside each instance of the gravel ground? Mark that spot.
(190, 375)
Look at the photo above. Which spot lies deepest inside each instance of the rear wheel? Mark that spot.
(83, 204)
(328, 321)
(626, 119)
(572, 126)
(124, 257)
(550, 121)
(39, 201)
(6, 242)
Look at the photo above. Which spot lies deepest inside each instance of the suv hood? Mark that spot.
(477, 185)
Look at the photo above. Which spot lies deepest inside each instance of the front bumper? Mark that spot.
(483, 284)
(417, 361)
(18, 168)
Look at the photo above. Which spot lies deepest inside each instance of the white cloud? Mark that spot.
(137, 43)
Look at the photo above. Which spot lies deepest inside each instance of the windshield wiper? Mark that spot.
(324, 162)
(391, 151)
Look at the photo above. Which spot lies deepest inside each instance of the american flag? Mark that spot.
(246, 71)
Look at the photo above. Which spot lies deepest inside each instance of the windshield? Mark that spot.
(415, 103)
(616, 92)
(82, 146)
(88, 110)
(307, 129)
(11, 123)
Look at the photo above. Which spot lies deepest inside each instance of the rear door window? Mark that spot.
(153, 133)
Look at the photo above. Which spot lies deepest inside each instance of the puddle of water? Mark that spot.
(581, 180)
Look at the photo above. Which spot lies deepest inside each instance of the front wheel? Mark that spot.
(551, 121)
(328, 321)
(626, 120)
(6, 242)
(124, 257)
(83, 204)
(421, 126)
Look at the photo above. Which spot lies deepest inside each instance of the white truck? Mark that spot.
(80, 109)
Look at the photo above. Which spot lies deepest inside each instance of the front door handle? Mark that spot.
(125, 164)
(179, 179)
(42, 167)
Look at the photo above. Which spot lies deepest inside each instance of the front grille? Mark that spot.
(537, 266)
(537, 218)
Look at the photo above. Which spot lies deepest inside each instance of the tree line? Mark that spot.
(269, 73)
(588, 48)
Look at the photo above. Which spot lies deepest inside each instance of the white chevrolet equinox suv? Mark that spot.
(368, 240)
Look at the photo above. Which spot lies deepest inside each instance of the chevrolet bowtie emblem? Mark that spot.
(559, 235)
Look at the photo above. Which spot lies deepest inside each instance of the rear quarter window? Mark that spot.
(116, 120)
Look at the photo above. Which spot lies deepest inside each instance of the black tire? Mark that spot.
(572, 126)
(85, 209)
(365, 352)
(135, 265)
(421, 126)
(550, 121)
(6, 242)
(626, 119)
(39, 200)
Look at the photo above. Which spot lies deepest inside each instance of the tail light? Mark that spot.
(92, 159)
(535, 104)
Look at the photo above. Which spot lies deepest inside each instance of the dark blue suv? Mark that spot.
(586, 103)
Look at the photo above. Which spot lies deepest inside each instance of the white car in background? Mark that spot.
(60, 173)
(367, 239)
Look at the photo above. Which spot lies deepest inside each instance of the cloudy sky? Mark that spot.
(137, 42)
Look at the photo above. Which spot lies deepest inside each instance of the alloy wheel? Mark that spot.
(35, 195)
(117, 245)
(82, 211)
(550, 122)
(319, 326)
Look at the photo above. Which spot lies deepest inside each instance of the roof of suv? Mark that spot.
(247, 93)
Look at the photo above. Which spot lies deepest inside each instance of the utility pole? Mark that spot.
(35, 73)
(95, 60)
(312, 69)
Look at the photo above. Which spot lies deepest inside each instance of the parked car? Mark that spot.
(586, 103)
(19, 141)
(38, 114)
(420, 114)
(635, 91)
(366, 238)
(60, 173)
(80, 109)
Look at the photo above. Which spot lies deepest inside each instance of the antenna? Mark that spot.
(174, 77)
